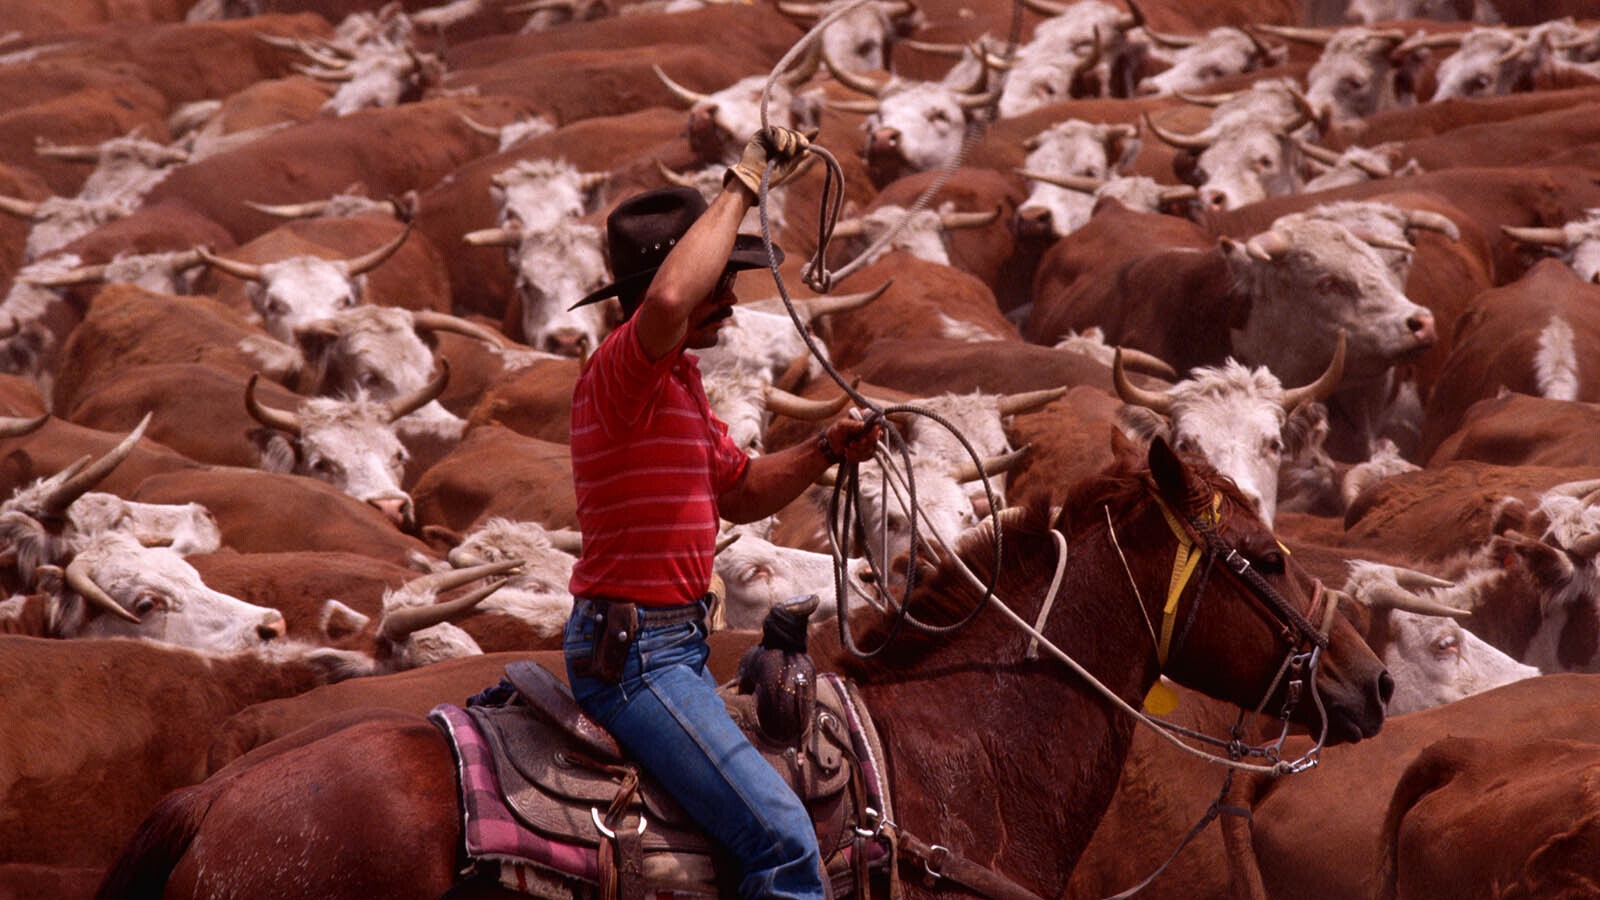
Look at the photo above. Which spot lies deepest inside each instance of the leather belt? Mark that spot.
(658, 616)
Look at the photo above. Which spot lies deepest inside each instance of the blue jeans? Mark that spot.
(666, 713)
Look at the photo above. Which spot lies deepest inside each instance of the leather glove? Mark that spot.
(783, 149)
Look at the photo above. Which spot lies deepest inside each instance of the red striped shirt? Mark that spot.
(648, 462)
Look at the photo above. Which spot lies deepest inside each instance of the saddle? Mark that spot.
(563, 777)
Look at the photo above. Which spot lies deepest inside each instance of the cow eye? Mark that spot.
(1188, 445)
(1353, 85)
(1275, 445)
(1447, 646)
(1263, 163)
(145, 603)
(1330, 284)
(938, 116)
(756, 573)
(277, 307)
(346, 301)
(322, 465)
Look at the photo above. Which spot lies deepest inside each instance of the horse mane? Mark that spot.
(944, 595)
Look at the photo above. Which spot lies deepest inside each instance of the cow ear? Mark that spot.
(277, 452)
(1123, 448)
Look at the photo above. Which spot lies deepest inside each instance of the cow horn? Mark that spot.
(369, 261)
(1175, 192)
(1134, 18)
(1517, 48)
(400, 623)
(850, 79)
(71, 152)
(272, 418)
(22, 209)
(1318, 36)
(83, 479)
(1550, 237)
(810, 11)
(80, 275)
(237, 269)
(433, 320)
(1326, 383)
(1433, 221)
(1084, 183)
(678, 90)
(485, 130)
(591, 181)
(728, 540)
(1425, 39)
(1267, 246)
(1181, 141)
(542, 6)
(566, 540)
(952, 50)
(1411, 579)
(951, 220)
(290, 210)
(1394, 597)
(324, 74)
(849, 228)
(797, 407)
(1318, 152)
(1586, 546)
(1046, 8)
(1384, 243)
(1172, 40)
(1575, 489)
(677, 178)
(17, 426)
(410, 403)
(859, 107)
(78, 578)
(1028, 401)
(1155, 401)
(817, 307)
(1212, 100)
(995, 465)
(493, 237)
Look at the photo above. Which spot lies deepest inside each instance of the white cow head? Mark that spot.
(1086, 153)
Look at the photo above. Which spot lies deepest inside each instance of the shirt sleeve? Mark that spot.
(728, 462)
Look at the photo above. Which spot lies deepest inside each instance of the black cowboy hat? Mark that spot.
(642, 229)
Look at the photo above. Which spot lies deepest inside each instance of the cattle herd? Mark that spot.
(286, 358)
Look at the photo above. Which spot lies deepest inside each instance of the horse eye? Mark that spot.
(1271, 563)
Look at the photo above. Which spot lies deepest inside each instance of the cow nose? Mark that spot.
(396, 509)
(272, 627)
(566, 342)
(1421, 326)
(1214, 199)
(1034, 222)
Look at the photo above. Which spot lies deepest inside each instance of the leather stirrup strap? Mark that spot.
(942, 862)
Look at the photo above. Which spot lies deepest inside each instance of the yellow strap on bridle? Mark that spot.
(1184, 562)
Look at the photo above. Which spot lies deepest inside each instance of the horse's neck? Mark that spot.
(1010, 760)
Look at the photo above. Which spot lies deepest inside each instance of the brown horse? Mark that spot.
(1006, 760)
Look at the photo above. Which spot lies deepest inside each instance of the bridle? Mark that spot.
(1198, 540)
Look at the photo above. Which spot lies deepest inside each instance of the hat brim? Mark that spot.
(749, 252)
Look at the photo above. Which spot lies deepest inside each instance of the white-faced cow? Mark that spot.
(1576, 243)
(1085, 152)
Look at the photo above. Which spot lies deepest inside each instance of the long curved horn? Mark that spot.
(1083, 183)
(86, 478)
(80, 275)
(850, 79)
(1318, 152)
(324, 74)
(797, 407)
(493, 237)
(953, 220)
(1028, 401)
(69, 152)
(1178, 41)
(1211, 100)
(1155, 401)
(845, 229)
(371, 260)
(272, 418)
(1586, 546)
(1575, 489)
(810, 11)
(1387, 597)
(1148, 363)
(247, 271)
(862, 107)
(951, 50)
(433, 320)
(401, 623)
(17, 426)
(290, 210)
(673, 177)
(566, 540)
(410, 403)
(1326, 383)
(1426, 39)
(994, 465)
(678, 90)
(541, 6)
(77, 577)
(22, 209)
(1433, 221)
(1549, 237)
(1318, 36)
(1134, 18)
(814, 308)
(724, 543)
(1172, 193)
(1181, 141)
(487, 131)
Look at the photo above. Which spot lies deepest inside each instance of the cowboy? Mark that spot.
(654, 470)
